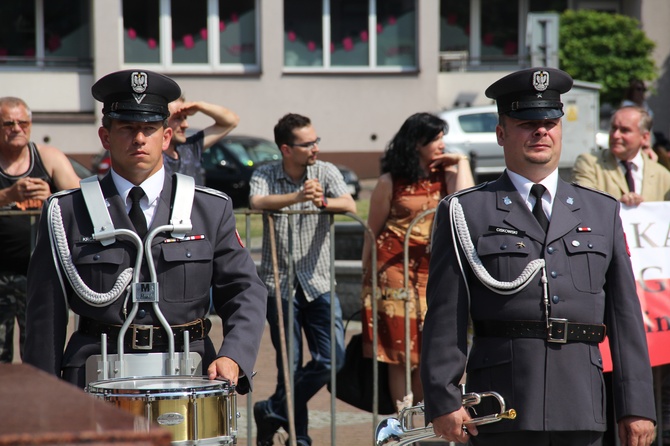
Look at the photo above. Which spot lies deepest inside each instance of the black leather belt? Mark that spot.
(145, 337)
(559, 330)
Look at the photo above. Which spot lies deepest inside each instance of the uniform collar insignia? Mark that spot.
(507, 201)
(570, 200)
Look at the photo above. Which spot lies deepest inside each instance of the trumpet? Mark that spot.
(397, 431)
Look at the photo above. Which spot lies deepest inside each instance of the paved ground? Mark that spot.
(354, 427)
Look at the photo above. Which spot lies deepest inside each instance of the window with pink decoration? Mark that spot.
(45, 33)
(478, 33)
(214, 34)
(349, 34)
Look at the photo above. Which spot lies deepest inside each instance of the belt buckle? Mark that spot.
(550, 329)
(137, 328)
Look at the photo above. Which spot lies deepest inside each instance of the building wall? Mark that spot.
(355, 114)
(655, 18)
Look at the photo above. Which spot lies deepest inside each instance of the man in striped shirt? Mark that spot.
(299, 182)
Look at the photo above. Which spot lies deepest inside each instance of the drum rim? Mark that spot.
(215, 386)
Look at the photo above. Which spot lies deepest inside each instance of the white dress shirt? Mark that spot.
(523, 185)
(152, 186)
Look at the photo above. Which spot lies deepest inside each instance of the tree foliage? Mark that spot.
(606, 48)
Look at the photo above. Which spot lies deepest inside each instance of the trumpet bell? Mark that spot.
(390, 432)
(397, 431)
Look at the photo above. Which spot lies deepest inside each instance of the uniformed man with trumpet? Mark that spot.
(74, 268)
(540, 270)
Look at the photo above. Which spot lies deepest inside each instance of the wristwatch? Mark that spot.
(324, 202)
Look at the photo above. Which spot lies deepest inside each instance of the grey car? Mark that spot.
(472, 132)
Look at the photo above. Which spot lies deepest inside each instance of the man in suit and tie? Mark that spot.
(624, 171)
(539, 269)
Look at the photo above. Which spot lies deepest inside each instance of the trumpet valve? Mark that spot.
(508, 414)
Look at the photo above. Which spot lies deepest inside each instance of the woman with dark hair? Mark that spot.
(416, 175)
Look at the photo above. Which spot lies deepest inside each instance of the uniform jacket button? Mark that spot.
(554, 274)
(141, 313)
(188, 254)
(550, 250)
(555, 299)
(503, 246)
(96, 257)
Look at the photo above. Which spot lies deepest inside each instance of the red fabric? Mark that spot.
(655, 302)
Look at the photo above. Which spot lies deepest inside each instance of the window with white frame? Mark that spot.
(350, 34)
(45, 33)
(489, 32)
(196, 35)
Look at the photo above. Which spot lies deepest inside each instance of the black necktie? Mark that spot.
(537, 191)
(136, 215)
(629, 175)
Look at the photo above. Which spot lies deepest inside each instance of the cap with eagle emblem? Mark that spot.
(136, 95)
(531, 94)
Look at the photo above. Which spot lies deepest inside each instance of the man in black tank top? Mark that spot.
(29, 174)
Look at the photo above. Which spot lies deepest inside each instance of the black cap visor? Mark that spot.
(135, 116)
(123, 108)
(535, 114)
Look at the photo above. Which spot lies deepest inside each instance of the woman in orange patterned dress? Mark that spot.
(416, 175)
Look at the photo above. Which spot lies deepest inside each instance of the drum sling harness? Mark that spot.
(105, 233)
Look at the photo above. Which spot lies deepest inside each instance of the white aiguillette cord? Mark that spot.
(461, 232)
(59, 242)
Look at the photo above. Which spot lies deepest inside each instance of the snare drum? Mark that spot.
(196, 411)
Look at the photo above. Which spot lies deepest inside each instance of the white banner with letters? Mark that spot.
(647, 229)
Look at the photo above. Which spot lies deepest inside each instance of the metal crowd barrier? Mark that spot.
(291, 347)
(33, 214)
(374, 307)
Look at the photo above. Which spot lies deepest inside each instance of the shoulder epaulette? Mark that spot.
(469, 189)
(590, 189)
(465, 191)
(63, 193)
(210, 191)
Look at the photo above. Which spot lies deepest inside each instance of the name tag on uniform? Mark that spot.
(509, 231)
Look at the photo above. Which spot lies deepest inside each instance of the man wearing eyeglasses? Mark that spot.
(29, 174)
(300, 182)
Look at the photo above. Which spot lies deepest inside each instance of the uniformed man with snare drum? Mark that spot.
(80, 265)
(541, 270)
